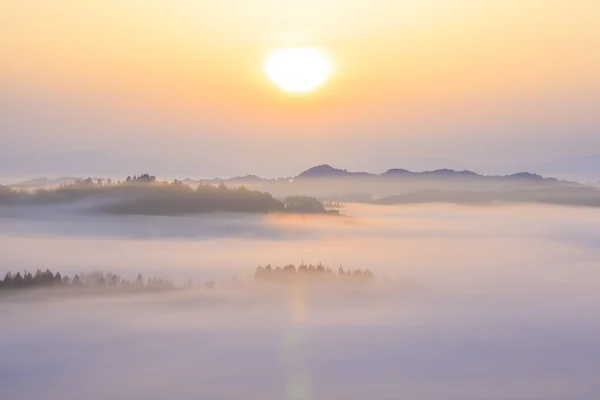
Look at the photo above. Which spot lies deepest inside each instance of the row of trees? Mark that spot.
(303, 205)
(310, 270)
(47, 278)
(144, 178)
(333, 204)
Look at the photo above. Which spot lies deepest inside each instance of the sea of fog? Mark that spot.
(469, 303)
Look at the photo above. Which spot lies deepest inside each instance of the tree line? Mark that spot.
(48, 279)
(311, 271)
(45, 279)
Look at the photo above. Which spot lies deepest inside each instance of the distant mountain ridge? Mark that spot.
(324, 171)
(327, 171)
(398, 186)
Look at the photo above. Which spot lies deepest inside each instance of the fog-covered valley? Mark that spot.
(299, 200)
(467, 303)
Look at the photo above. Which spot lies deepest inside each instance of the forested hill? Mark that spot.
(305, 192)
(147, 196)
(328, 183)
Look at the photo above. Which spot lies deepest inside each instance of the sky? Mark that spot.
(179, 87)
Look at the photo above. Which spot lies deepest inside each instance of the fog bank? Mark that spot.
(468, 303)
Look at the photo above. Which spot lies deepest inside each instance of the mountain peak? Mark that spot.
(526, 175)
(451, 172)
(397, 171)
(324, 170)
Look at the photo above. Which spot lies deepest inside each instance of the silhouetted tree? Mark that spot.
(8, 279)
(48, 277)
(77, 281)
(38, 277)
(302, 267)
(145, 178)
(27, 279)
(289, 269)
(303, 204)
(18, 280)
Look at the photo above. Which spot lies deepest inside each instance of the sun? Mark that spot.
(299, 69)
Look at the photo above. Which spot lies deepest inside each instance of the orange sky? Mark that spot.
(397, 62)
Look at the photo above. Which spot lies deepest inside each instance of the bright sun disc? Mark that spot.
(299, 69)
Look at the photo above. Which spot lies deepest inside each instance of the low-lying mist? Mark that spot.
(467, 303)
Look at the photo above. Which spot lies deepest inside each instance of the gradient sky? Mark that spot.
(178, 86)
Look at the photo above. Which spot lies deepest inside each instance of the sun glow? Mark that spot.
(299, 69)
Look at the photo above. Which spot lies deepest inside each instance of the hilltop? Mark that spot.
(306, 191)
(145, 195)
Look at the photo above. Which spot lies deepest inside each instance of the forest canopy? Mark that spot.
(145, 195)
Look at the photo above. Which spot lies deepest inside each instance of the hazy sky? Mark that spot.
(178, 87)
